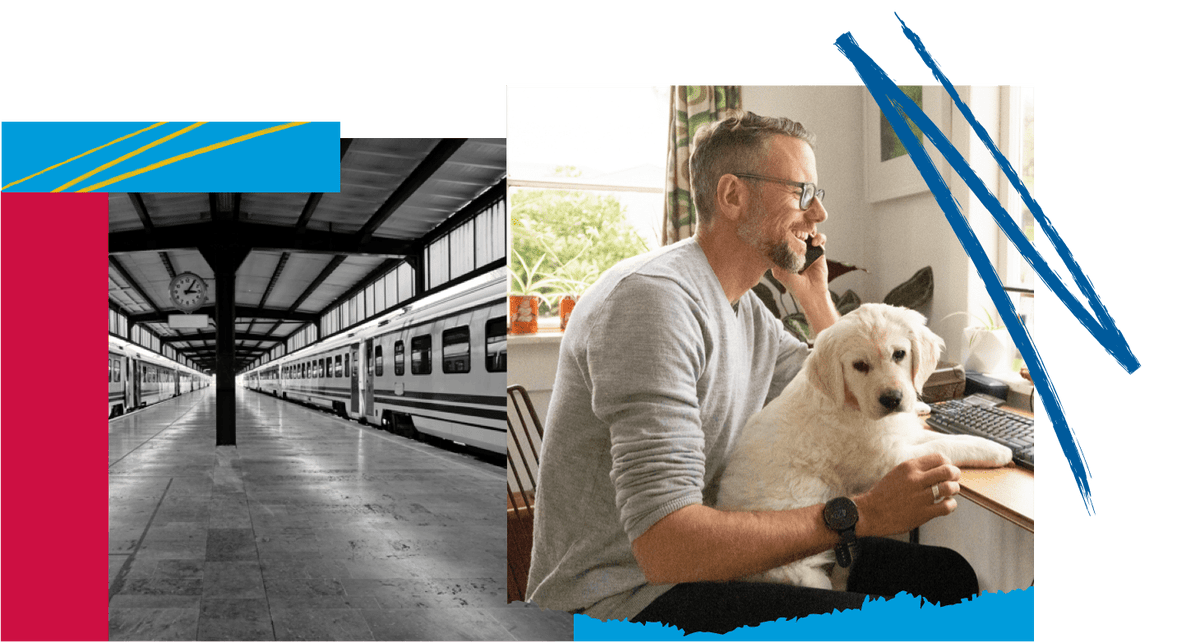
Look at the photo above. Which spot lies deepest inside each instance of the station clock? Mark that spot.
(188, 291)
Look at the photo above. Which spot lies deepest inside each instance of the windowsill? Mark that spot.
(543, 336)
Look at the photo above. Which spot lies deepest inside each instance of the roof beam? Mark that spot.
(120, 267)
(438, 157)
(259, 236)
(241, 312)
(207, 336)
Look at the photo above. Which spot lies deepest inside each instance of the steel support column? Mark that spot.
(224, 261)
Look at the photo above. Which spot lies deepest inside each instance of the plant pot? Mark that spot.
(522, 314)
(987, 351)
(566, 306)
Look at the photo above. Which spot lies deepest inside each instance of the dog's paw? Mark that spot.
(999, 455)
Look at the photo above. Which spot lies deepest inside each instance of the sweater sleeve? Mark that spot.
(646, 354)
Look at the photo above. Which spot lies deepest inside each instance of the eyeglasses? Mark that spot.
(808, 191)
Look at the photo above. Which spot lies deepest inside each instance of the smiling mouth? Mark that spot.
(803, 237)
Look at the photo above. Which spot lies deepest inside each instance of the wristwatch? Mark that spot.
(841, 514)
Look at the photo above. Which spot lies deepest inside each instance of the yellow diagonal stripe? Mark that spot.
(146, 129)
(186, 155)
(126, 156)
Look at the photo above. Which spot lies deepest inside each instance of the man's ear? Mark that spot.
(730, 199)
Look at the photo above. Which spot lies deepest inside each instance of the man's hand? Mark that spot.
(903, 500)
(811, 290)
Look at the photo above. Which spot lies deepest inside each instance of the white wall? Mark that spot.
(890, 239)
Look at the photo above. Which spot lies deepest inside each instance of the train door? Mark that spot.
(369, 377)
(353, 378)
(137, 382)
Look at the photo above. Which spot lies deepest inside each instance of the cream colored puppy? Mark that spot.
(845, 421)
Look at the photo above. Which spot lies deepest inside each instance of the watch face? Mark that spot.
(841, 513)
(188, 291)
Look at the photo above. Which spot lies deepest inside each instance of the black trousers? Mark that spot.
(882, 568)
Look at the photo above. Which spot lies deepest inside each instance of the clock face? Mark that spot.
(188, 291)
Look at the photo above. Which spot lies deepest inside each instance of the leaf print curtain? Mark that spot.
(691, 107)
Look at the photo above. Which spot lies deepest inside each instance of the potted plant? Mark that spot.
(525, 295)
(574, 277)
(988, 348)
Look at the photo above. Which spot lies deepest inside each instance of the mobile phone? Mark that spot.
(812, 254)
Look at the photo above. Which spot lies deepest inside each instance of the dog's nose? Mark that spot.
(890, 400)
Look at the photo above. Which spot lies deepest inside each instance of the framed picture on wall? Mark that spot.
(889, 171)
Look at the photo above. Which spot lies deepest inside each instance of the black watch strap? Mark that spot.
(841, 515)
(843, 550)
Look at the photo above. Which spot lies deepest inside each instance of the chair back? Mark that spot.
(524, 449)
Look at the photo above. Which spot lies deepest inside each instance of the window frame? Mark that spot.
(454, 337)
(488, 335)
(421, 345)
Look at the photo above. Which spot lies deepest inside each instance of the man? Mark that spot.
(666, 358)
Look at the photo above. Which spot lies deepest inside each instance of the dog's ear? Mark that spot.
(926, 348)
(825, 369)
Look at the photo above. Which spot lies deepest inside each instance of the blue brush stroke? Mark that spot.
(889, 98)
(989, 617)
(1111, 338)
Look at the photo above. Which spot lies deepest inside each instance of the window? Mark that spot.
(378, 360)
(398, 349)
(1016, 140)
(111, 368)
(496, 339)
(337, 366)
(456, 350)
(422, 355)
(329, 366)
(591, 195)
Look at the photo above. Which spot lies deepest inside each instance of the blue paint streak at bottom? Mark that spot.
(990, 617)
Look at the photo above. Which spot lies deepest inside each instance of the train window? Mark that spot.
(378, 360)
(399, 366)
(496, 334)
(110, 370)
(337, 366)
(329, 366)
(456, 350)
(422, 355)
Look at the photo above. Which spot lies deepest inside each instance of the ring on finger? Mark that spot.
(937, 493)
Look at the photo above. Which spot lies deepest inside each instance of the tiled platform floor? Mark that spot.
(311, 528)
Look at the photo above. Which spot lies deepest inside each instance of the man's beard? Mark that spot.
(777, 252)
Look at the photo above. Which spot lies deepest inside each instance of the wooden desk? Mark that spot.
(1006, 492)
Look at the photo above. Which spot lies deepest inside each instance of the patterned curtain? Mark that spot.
(691, 107)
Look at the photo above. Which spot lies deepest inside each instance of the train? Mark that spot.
(438, 368)
(138, 377)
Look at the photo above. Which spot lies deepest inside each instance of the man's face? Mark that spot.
(774, 225)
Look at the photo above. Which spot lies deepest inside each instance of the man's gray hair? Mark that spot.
(733, 145)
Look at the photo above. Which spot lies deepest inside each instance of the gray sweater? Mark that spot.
(656, 375)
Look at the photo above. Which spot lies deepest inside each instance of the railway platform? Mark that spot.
(311, 528)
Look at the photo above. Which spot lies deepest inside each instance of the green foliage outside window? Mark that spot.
(580, 235)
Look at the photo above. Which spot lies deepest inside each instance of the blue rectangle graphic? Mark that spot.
(172, 157)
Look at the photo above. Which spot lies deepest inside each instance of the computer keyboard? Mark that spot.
(1010, 429)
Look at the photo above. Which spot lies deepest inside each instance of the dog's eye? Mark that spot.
(898, 355)
(862, 367)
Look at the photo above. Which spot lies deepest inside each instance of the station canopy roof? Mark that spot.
(308, 251)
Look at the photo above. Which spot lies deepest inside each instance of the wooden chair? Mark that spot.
(524, 447)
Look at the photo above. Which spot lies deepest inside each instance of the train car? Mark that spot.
(438, 367)
(139, 377)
